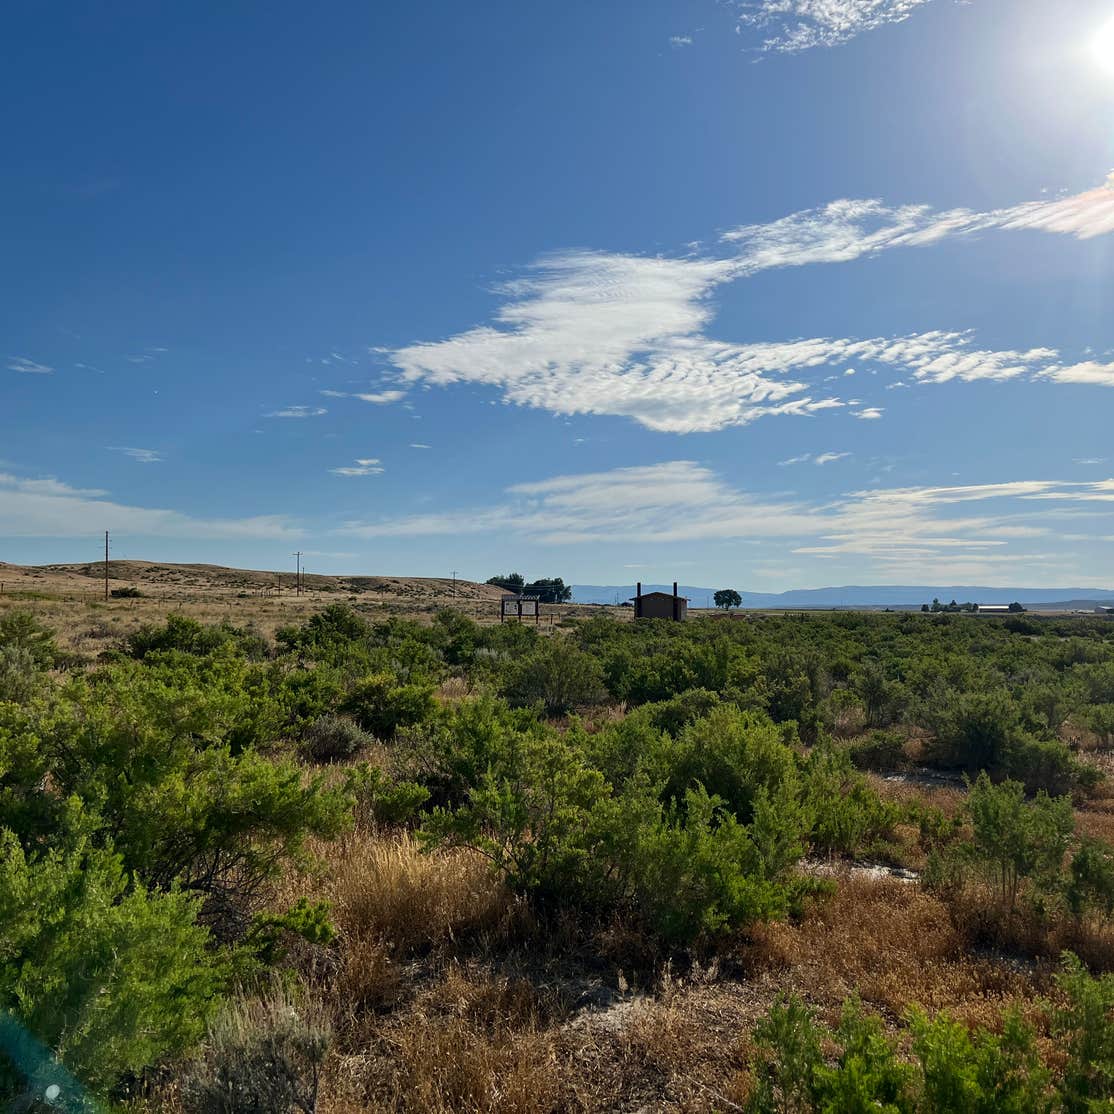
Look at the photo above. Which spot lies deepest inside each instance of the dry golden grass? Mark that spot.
(469, 1040)
(70, 600)
(948, 799)
(382, 886)
(894, 946)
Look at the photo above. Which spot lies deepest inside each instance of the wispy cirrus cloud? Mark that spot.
(363, 466)
(297, 412)
(27, 366)
(142, 456)
(818, 458)
(49, 508)
(377, 398)
(846, 230)
(606, 333)
(790, 26)
(977, 528)
(147, 355)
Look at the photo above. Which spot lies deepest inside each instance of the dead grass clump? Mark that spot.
(384, 887)
(948, 799)
(263, 1053)
(368, 980)
(453, 690)
(894, 946)
(696, 1050)
(472, 1041)
(448, 1064)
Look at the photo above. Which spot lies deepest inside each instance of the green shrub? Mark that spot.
(110, 976)
(696, 871)
(846, 814)
(22, 631)
(188, 636)
(336, 625)
(382, 801)
(556, 675)
(1045, 765)
(553, 827)
(1090, 888)
(672, 715)
(865, 1075)
(882, 698)
(20, 674)
(180, 805)
(1085, 1029)
(333, 739)
(974, 731)
(381, 705)
(953, 1070)
(732, 753)
(1100, 719)
(982, 731)
(1014, 839)
(880, 750)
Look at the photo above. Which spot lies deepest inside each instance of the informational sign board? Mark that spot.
(520, 607)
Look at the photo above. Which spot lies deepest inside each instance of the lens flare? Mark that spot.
(1102, 46)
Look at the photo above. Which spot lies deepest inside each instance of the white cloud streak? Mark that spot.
(1091, 374)
(820, 459)
(297, 412)
(891, 532)
(142, 456)
(25, 366)
(363, 466)
(605, 333)
(48, 508)
(377, 398)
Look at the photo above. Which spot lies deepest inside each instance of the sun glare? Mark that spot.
(1102, 46)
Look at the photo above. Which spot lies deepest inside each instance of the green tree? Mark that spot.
(552, 590)
(510, 582)
(728, 598)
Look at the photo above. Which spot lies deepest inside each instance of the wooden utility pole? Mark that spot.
(454, 584)
(298, 574)
(106, 564)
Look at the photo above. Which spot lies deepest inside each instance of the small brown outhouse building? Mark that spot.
(660, 605)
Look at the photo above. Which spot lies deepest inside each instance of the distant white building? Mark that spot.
(994, 608)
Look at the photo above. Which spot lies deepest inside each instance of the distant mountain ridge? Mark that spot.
(879, 595)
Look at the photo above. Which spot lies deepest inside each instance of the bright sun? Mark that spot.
(1102, 46)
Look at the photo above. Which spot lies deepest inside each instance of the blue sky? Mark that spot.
(774, 294)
